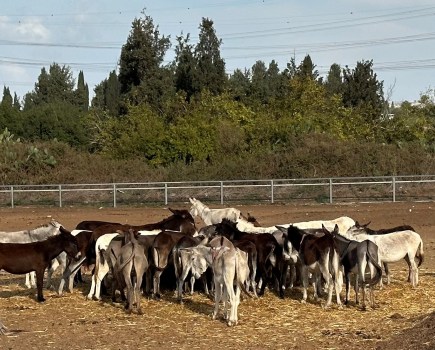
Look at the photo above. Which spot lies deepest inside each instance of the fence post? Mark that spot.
(60, 196)
(166, 193)
(394, 188)
(114, 195)
(271, 192)
(222, 192)
(330, 190)
(12, 196)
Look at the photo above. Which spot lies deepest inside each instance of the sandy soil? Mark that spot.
(404, 318)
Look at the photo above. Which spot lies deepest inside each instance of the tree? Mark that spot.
(82, 93)
(275, 81)
(107, 95)
(239, 85)
(334, 80)
(185, 71)
(141, 76)
(9, 113)
(259, 82)
(55, 85)
(210, 66)
(7, 97)
(361, 88)
(307, 69)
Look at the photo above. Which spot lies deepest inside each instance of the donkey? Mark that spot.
(364, 229)
(20, 258)
(183, 264)
(131, 260)
(355, 258)
(230, 271)
(393, 247)
(317, 255)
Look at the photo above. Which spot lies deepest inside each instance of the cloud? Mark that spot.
(32, 29)
(28, 29)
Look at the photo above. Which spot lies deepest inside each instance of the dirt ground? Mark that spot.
(403, 319)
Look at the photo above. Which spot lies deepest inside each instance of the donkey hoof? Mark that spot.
(41, 299)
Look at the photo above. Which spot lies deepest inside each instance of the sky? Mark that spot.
(398, 35)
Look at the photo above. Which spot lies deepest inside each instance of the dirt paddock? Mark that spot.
(403, 319)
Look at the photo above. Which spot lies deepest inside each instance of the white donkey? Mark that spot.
(212, 216)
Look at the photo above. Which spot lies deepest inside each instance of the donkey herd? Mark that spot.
(231, 254)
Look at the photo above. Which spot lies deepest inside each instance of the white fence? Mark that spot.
(316, 190)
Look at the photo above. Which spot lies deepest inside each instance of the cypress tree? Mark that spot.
(210, 66)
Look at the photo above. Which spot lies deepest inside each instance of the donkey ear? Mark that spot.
(192, 200)
(325, 230)
(366, 225)
(336, 229)
(282, 229)
(171, 210)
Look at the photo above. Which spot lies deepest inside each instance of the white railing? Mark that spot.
(323, 190)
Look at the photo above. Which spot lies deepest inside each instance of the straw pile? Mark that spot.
(403, 316)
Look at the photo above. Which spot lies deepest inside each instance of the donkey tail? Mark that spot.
(128, 259)
(102, 253)
(374, 260)
(156, 259)
(239, 278)
(177, 262)
(420, 253)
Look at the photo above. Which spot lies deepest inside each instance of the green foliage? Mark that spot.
(186, 120)
(361, 88)
(239, 85)
(56, 120)
(142, 78)
(22, 158)
(107, 95)
(139, 133)
(82, 93)
(185, 71)
(334, 80)
(55, 85)
(210, 66)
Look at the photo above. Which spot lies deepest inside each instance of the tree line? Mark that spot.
(191, 113)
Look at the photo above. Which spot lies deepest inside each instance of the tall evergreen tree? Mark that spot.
(141, 76)
(107, 95)
(210, 66)
(55, 85)
(239, 85)
(16, 103)
(9, 113)
(82, 93)
(334, 80)
(275, 81)
(185, 70)
(259, 82)
(307, 69)
(361, 88)
(7, 97)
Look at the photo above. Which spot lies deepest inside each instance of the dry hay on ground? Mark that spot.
(73, 322)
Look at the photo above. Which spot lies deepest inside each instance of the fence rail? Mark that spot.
(316, 190)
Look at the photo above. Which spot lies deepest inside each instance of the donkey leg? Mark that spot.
(413, 270)
(54, 265)
(156, 283)
(347, 277)
(387, 273)
(39, 284)
(217, 298)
